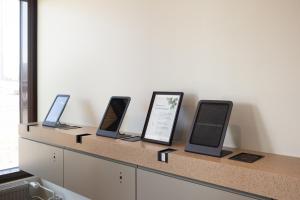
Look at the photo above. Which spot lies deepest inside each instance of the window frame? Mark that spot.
(28, 73)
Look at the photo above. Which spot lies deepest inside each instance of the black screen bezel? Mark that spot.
(113, 134)
(54, 124)
(203, 149)
(169, 143)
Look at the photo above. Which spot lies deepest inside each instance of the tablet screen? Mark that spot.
(163, 115)
(57, 109)
(114, 114)
(209, 124)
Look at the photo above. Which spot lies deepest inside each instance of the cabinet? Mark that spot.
(152, 186)
(97, 178)
(41, 160)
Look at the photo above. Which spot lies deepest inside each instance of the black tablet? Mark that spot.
(56, 110)
(162, 117)
(113, 117)
(209, 127)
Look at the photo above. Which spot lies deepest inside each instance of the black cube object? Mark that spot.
(209, 128)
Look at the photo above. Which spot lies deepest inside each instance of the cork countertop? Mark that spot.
(274, 176)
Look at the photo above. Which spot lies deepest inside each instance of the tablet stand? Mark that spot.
(66, 126)
(209, 128)
(225, 153)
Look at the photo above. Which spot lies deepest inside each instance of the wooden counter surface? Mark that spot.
(274, 176)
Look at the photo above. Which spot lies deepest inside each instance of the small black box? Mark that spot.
(246, 157)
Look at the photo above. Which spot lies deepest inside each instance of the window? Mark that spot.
(18, 78)
(9, 82)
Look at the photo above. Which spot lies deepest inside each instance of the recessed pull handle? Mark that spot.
(163, 154)
(79, 137)
(31, 124)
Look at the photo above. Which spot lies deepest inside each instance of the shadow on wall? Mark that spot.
(88, 113)
(246, 129)
(185, 118)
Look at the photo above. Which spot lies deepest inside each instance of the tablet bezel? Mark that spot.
(113, 134)
(207, 150)
(169, 143)
(54, 124)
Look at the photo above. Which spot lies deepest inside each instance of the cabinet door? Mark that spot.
(41, 160)
(152, 186)
(96, 178)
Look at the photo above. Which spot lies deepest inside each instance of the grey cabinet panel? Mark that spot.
(153, 186)
(96, 178)
(41, 160)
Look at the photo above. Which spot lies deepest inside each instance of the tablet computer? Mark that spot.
(56, 110)
(209, 128)
(162, 117)
(113, 117)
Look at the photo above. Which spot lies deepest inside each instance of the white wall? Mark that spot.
(247, 51)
